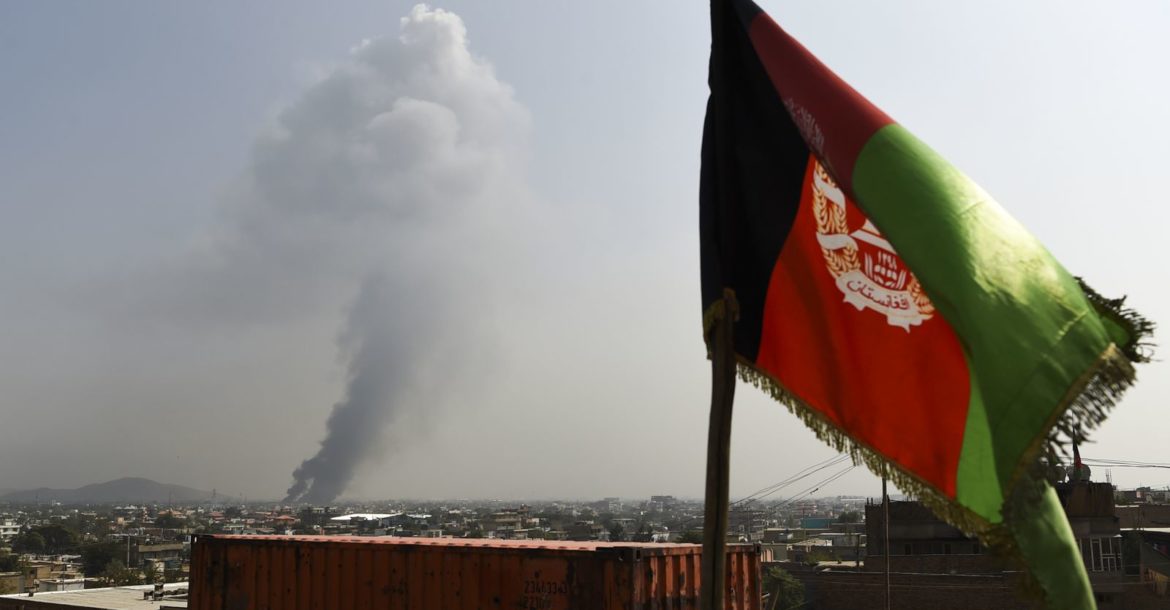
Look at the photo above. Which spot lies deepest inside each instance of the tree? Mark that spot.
(815, 556)
(151, 574)
(9, 562)
(168, 521)
(691, 537)
(28, 542)
(786, 592)
(57, 538)
(849, 516)
(96, 557)
(117, 574)
(233, 512)
(644, 534)
(617, 533)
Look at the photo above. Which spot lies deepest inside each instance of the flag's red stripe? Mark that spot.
(834, 118)
(903, 393)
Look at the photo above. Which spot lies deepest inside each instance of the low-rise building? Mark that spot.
(1143, 516)
(61, 584)
(1090, 511)
(9, 529)
(12, 582)
(584, 530)
(167, 554)
(920, 543)
(139, 597)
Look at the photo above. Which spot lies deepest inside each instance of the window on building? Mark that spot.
(1111, 554)
(1101, 554)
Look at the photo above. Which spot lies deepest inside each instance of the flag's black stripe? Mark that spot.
(745, 11)
(768, 162)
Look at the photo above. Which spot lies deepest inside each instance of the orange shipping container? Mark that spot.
(343, 573)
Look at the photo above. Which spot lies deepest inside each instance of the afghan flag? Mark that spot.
(893, 305)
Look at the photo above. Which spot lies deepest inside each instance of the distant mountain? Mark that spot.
(129, 489)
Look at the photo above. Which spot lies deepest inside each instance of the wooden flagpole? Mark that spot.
(716, 501)
(713, 572)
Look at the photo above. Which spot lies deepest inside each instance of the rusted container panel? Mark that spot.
(344, 573)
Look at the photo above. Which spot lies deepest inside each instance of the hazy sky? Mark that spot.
(203, 203)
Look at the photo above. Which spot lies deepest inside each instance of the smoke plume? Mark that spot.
(387, 184)
(417, 147)
(387, 356)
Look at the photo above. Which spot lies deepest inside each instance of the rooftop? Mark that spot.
(112, 598)
(366, 516)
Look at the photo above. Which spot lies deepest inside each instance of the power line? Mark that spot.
(801, 474)
(1123, 463)
(814, 488)
(791, 479)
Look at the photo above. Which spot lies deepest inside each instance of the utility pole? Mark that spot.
(857, 551)
(886, 534)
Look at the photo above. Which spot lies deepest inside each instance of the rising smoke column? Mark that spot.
(394, 180)
(386, 354)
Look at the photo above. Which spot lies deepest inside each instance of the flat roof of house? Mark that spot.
(111, 598)
(365, 516)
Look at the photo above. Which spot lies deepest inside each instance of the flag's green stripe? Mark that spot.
(1028, 331)
(977, 487)
(1049, 548)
